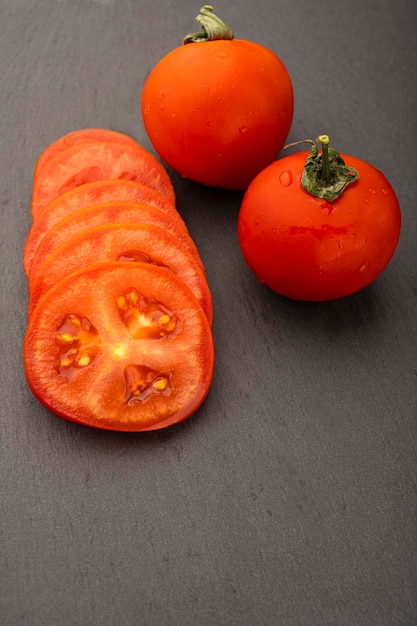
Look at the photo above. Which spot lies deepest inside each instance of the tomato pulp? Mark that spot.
(87, 195)
(122, 242)
(106, 213)
(82, 135)
(88, 162)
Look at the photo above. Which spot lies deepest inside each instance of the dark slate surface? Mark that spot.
(290, 496)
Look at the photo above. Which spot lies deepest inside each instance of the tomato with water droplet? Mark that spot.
(218, 110)
(307, 249)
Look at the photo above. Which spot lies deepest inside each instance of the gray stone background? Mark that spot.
(289, 498)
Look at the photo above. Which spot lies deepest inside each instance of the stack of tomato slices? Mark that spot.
(120, 311)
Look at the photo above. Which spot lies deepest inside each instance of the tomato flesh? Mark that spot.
(83, 135)
(120, 346)
(109, 212)
(87, 162)
(308, 249)
(125, 242)
(87, 195)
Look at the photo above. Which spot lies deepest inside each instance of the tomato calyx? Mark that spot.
(212, 27)
(325, 173)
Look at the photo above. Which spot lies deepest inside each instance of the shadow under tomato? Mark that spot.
(352, 315)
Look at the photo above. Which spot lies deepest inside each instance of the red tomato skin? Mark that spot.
(218, 112)
(305, 248)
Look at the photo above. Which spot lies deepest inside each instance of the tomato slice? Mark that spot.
(88, 195)
(122, 242)
(107, 213)
(82, 135)
(120, 346)
(87, 162)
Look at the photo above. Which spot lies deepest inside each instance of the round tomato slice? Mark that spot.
(82, 135)
(87, 162)
(120, 346)
(88, 195)
(122, 242)
(107, 213)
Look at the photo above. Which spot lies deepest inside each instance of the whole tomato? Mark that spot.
(218, 109)
(312, 228)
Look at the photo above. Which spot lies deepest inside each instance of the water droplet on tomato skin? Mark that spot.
(363, 268)
(285, 178)
(223, 55)
(243, 130)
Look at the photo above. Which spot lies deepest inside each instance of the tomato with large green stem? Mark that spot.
(319, 225)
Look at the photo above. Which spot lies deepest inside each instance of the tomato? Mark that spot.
(312, 248)
(80, 136)
(87, 195)
(120, 346)
(87, 162)
(109, 212)
(122, 242)
(218, 111)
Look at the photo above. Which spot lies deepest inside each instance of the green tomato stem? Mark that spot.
(325, 174)
(325, 166)
(212, 27)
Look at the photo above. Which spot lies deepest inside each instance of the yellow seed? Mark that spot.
(160, 384)
(121, 302)
(75, 320)
(83, 360)
(134, 297)
(164, 319)
(65, 361)
(65, 337)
